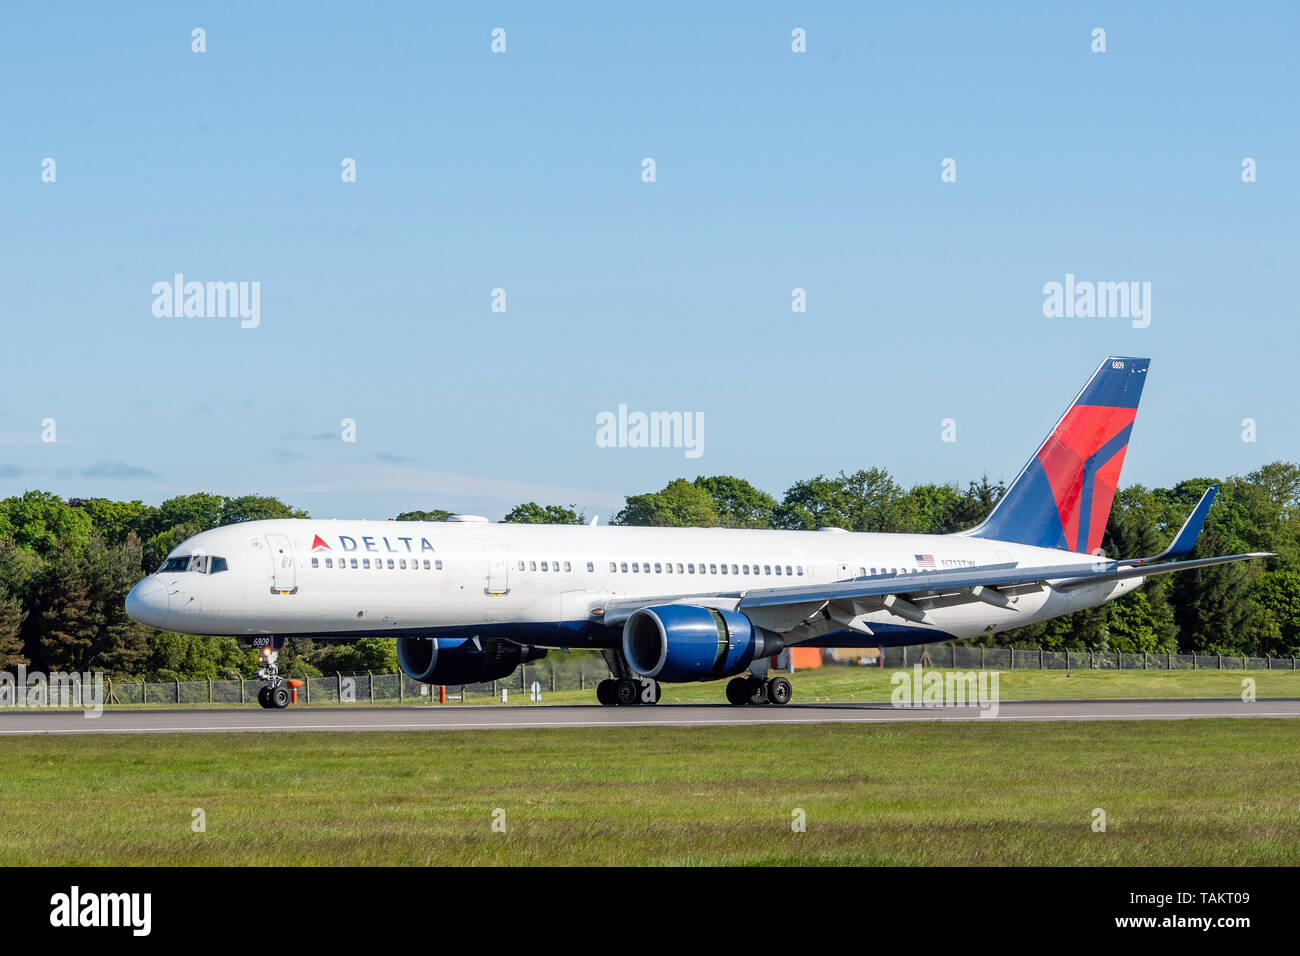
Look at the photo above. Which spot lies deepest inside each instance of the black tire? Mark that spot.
(779, 691)
(263, 696)
(738, 691)
(757, 688)
(605, 693)
(279, 697)
(628, 692)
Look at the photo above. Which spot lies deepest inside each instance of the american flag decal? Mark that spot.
(924, 560)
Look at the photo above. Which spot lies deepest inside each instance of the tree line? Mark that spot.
(67, 565)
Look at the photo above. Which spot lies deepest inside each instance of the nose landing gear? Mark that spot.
(275, 695)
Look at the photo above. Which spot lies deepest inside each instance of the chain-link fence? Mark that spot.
(1007, 658)
(359, 688)
(583, 675)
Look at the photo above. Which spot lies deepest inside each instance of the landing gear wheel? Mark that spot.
(738, 691)
(757, 688)
(264, 696)
(628, 692)
(605, 693)
(779, 691)
(279, 697)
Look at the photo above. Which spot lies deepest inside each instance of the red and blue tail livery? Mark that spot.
(1062, 497)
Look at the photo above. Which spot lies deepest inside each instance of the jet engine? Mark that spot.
(678, 643)
(440, 660)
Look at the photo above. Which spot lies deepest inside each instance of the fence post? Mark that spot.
(982, 649)
(243, 694)
(371, 681)
(401, 686)
(144, 691)
(552, 678)
(1040, 657)
(209, 690)
(178, 691)
(306, 685)
(953, 647)
(523, 676)
(1012, 652)
(1144, 660)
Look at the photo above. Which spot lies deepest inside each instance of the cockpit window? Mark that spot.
(200, 563)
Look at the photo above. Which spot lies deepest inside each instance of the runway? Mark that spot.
(499, 717)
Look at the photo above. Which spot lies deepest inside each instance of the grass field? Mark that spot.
(1175, 792)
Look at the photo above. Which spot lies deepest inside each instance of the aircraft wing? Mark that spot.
(904, 594)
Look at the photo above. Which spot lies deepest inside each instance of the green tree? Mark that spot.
(867, 500)
(435, 515)
(680, 505)
(533, 513)
(738, 503)
(256, 508)
(45, 523)
(1276, 621)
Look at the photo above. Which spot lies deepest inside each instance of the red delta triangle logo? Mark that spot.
(318, 544)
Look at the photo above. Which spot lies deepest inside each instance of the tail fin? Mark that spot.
(1062, 497)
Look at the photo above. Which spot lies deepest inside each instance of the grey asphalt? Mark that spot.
(467, 717)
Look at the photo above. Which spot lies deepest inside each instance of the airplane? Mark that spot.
(468, 601)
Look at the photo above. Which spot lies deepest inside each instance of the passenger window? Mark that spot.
(744, 568)
(555, 565)
(354, 563)
(438, 564)
(623, 567)
(679, 569)
(636, 567)
(713, 569)
(365, 563)
(767, 569)
(402, 563)
(658, 568)
(690, 569)
(329, 562)
(544, 567)
(521, 565)
(778, 570)
(735, 570)
(724, 569)
(787, 571)
(591, 566)
(799, 569)
(390, 564)
(612, 568)
(532, 565)
(315, 563)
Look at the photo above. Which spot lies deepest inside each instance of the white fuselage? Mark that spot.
(539, 584)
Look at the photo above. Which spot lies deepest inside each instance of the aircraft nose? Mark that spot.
(147, 602)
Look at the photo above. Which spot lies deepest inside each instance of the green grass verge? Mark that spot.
(1179, 792)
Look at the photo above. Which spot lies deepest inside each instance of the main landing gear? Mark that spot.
(275, 695)
(750, 689)
(628, 692)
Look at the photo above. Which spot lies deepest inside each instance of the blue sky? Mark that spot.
(522, 171)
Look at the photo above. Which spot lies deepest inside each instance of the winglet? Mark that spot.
(1185, 541)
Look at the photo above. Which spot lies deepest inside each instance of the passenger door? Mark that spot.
(498, 569)
(284, 572)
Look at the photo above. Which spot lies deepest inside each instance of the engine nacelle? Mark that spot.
(440, 660)
(684, 642)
